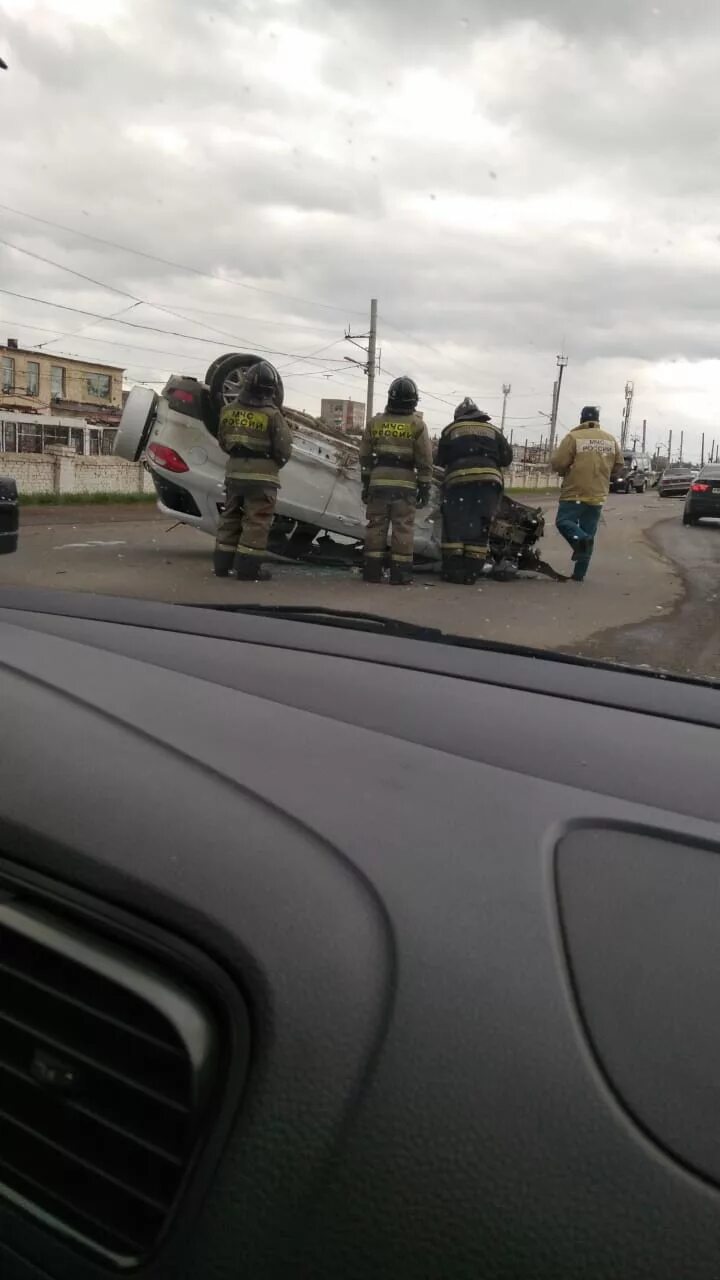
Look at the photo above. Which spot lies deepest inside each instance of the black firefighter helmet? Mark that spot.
(402, 396)
(260, 382)
(468, 409)
(590, 413)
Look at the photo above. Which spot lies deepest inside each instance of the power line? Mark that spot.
(178, 266)
(148, 328)
(138, 301)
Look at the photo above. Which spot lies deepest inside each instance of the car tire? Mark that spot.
(216, 364)
(225, 379)
(689, 520)
(136, 423)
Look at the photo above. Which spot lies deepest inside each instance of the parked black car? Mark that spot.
(703, 497)
(8, 515)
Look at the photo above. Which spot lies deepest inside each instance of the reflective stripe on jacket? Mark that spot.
(258, 440)
(587, 458)
(472, 451)
(395, 452)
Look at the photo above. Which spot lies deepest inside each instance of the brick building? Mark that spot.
(36, 382)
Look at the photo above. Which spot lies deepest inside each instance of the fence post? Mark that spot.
(63, 468)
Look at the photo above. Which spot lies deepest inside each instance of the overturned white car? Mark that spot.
(176, 433)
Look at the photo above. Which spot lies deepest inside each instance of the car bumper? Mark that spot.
(705, 507)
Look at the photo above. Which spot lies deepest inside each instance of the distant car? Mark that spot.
(703, 498)
(675, 481)
(636, 474)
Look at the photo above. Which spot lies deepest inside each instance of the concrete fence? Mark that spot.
(61, 470)
(532, 478)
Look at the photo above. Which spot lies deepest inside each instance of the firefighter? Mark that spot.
(472, 452)
(256, 436)
(396, 465)
(586, 458)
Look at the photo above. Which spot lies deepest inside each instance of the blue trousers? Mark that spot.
(578, 522)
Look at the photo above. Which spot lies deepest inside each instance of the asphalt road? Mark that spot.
(685, 641)
(649, 597)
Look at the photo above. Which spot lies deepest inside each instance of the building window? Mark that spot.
(57, 382)
(99, 385)
(33, 378)
(8, 373)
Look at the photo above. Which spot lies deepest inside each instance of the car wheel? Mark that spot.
(226, 379)
(688, 519)
(237, 355)
(136, 423)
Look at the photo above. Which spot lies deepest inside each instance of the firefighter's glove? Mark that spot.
(423, 495)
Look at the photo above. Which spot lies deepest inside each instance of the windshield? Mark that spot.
(367, 309)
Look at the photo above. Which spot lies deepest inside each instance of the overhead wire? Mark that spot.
(142, 301)
(179, 266)
(168, 333)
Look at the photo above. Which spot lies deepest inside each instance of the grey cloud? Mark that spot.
(490, 304)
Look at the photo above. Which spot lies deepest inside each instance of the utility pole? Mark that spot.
(629, 395)
(669, 446)
(702, 450)
(712, 450)
(511, 435)
(372, 343)
(506, 392)
(644, 432)
(562, 362)
(368, 366)
(682, 437)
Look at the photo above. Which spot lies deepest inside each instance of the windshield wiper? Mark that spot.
(357, 620)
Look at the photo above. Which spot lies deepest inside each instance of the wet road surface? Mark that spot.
(135, 552)
(687, 639)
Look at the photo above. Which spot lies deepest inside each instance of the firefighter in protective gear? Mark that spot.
(258, 440)
(472, 453)
(396, 465)
(586, 458)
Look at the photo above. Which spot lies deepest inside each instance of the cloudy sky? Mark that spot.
(509, 178)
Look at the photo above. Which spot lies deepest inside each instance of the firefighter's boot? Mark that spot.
(222, 563)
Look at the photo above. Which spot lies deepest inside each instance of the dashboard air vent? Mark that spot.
(106, 1068)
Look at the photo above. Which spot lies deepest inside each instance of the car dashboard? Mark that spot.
(326, 953)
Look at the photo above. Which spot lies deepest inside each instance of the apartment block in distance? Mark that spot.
(343, 415)
(41, 383)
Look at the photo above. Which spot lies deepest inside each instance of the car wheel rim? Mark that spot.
(232, 386)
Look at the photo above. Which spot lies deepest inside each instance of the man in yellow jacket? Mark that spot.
(586, 458)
